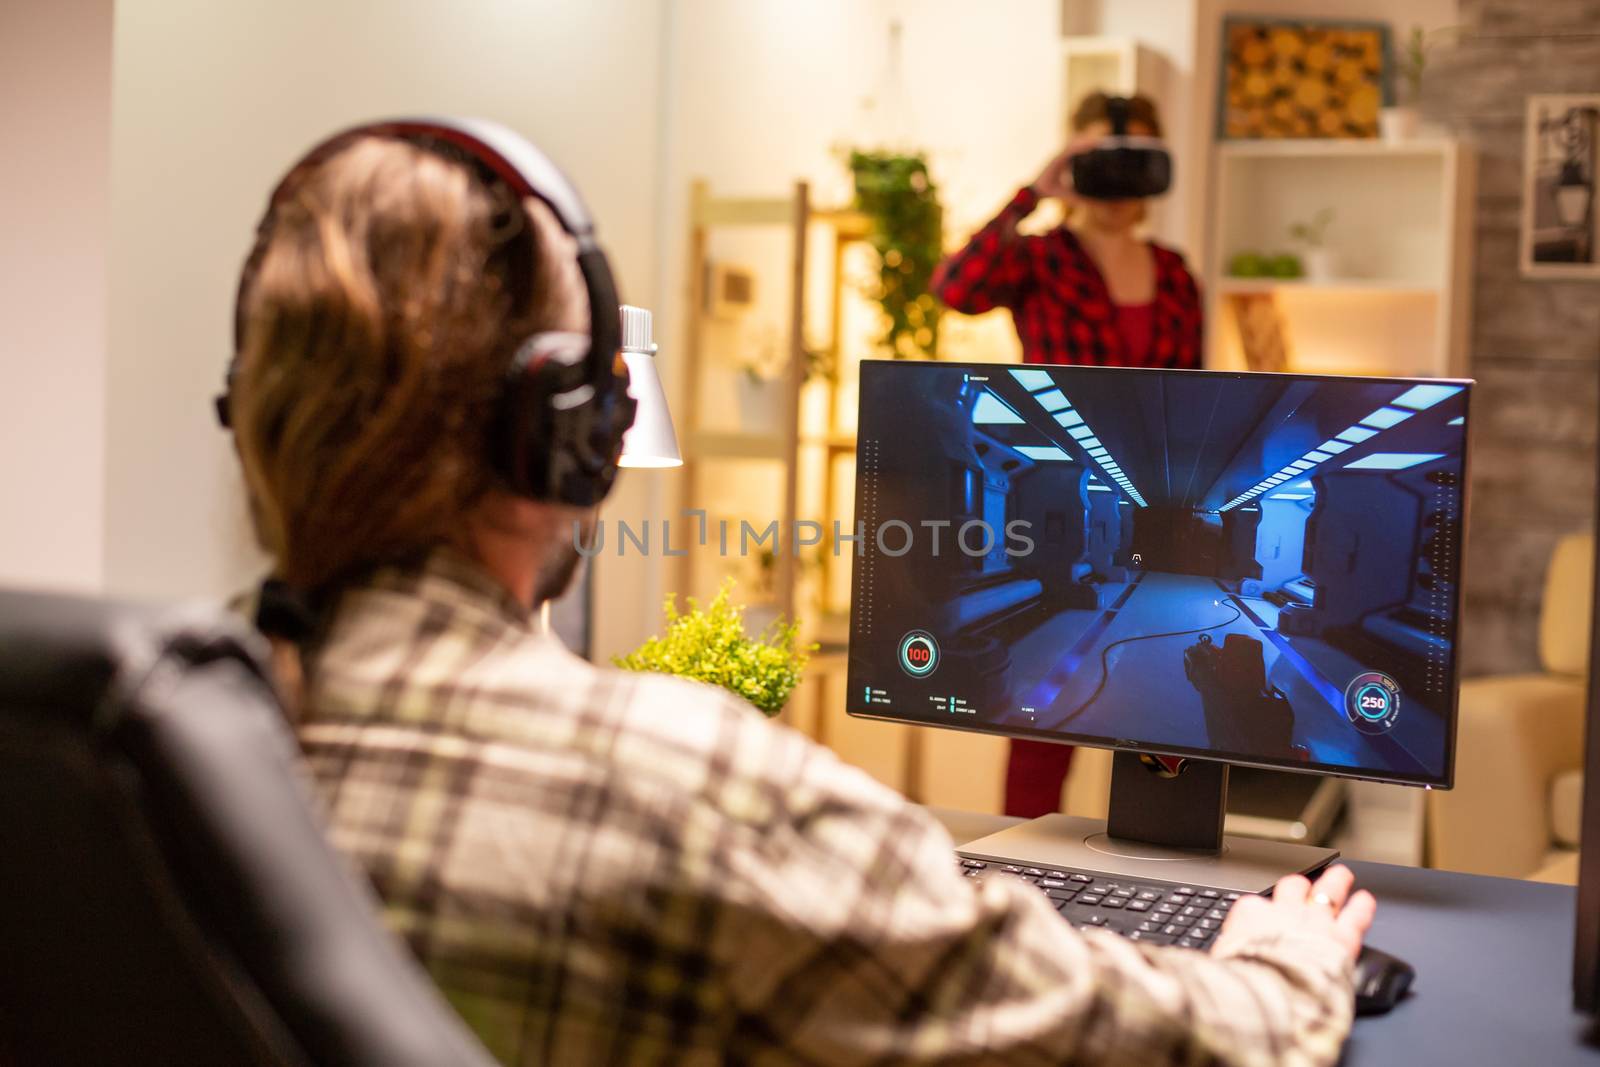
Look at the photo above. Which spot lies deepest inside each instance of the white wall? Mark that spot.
(764, 92)
(55, 77)
(212, 101)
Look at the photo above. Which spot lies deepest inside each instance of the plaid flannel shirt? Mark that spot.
(1058, 298)
(601, 867)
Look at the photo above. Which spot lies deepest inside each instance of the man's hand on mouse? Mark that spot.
(1297, 905)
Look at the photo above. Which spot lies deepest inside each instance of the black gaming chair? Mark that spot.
(166, 893)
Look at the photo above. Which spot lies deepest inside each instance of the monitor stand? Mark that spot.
(1162, 826)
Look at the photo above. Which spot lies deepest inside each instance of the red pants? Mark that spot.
(1035, 772)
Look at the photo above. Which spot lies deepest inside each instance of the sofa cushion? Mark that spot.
(1566, 808)
(1564, 619)
(1560, 867)
(1516, 734)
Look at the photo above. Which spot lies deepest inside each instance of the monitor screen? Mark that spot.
(1257, 568)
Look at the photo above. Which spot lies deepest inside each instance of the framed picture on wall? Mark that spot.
(1558, 187)
(1301, 78)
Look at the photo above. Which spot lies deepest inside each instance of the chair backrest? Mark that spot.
(166, 892)
(1564, 617)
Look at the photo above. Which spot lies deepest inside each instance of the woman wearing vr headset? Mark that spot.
(598, 866)
(1090, 291)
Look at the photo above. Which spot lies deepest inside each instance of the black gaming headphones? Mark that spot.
(1122, 166)
(564, 406)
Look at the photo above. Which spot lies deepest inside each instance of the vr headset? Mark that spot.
(1122, 167)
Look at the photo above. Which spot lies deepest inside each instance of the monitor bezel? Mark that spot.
(1445, 781)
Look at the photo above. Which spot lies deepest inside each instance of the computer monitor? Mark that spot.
(1236, 568)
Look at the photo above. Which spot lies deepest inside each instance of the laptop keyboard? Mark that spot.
(1161, 913)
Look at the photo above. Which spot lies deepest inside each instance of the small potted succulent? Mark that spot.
(711, 645)
(1400, 122)
(761, 390)
(760, 385)
(1318, 257)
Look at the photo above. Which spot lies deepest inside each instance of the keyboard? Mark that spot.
(1161, 913)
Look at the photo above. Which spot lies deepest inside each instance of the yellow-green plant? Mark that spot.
(711, 645)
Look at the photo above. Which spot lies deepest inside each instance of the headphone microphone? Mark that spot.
(564, 405)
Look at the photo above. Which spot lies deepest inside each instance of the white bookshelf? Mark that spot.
(1334, 148)
(1117, 65)
(1325, 285)
(1399, 297)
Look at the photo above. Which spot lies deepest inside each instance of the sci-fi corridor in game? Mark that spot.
(1255, 565)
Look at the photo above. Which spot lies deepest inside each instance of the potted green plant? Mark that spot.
(1318, 258)
(1400, 121)
(897, 194)
(711, 645)
(760, 387)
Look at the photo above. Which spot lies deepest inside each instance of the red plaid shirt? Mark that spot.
(1059, 300)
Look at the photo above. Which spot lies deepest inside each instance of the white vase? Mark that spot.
(1320, 264)
(1398, 123)
(760, 404)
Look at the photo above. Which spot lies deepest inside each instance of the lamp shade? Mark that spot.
(1572, 194)
(650, 441)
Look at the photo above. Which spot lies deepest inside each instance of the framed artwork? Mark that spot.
(1558, 187)
(1301, 78)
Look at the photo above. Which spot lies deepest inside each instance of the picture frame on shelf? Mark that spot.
(1301, 78)
(1560, 229)
(730, 290)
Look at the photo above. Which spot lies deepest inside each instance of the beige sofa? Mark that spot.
(1519, 747)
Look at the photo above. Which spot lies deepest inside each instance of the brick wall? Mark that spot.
(1535, 345)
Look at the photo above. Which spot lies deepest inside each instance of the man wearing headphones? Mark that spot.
(598, 866)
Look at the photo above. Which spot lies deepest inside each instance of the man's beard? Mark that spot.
(556, 573)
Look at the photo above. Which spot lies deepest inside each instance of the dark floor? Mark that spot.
(1146, 697)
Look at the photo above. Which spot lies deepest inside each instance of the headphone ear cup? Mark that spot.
(555, 440)
(596, 441)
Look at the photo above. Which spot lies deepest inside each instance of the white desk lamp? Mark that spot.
(650, 441)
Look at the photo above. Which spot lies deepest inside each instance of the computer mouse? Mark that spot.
(1381, 980)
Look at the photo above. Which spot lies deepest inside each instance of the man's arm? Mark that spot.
(857, 940)
(991, 270)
